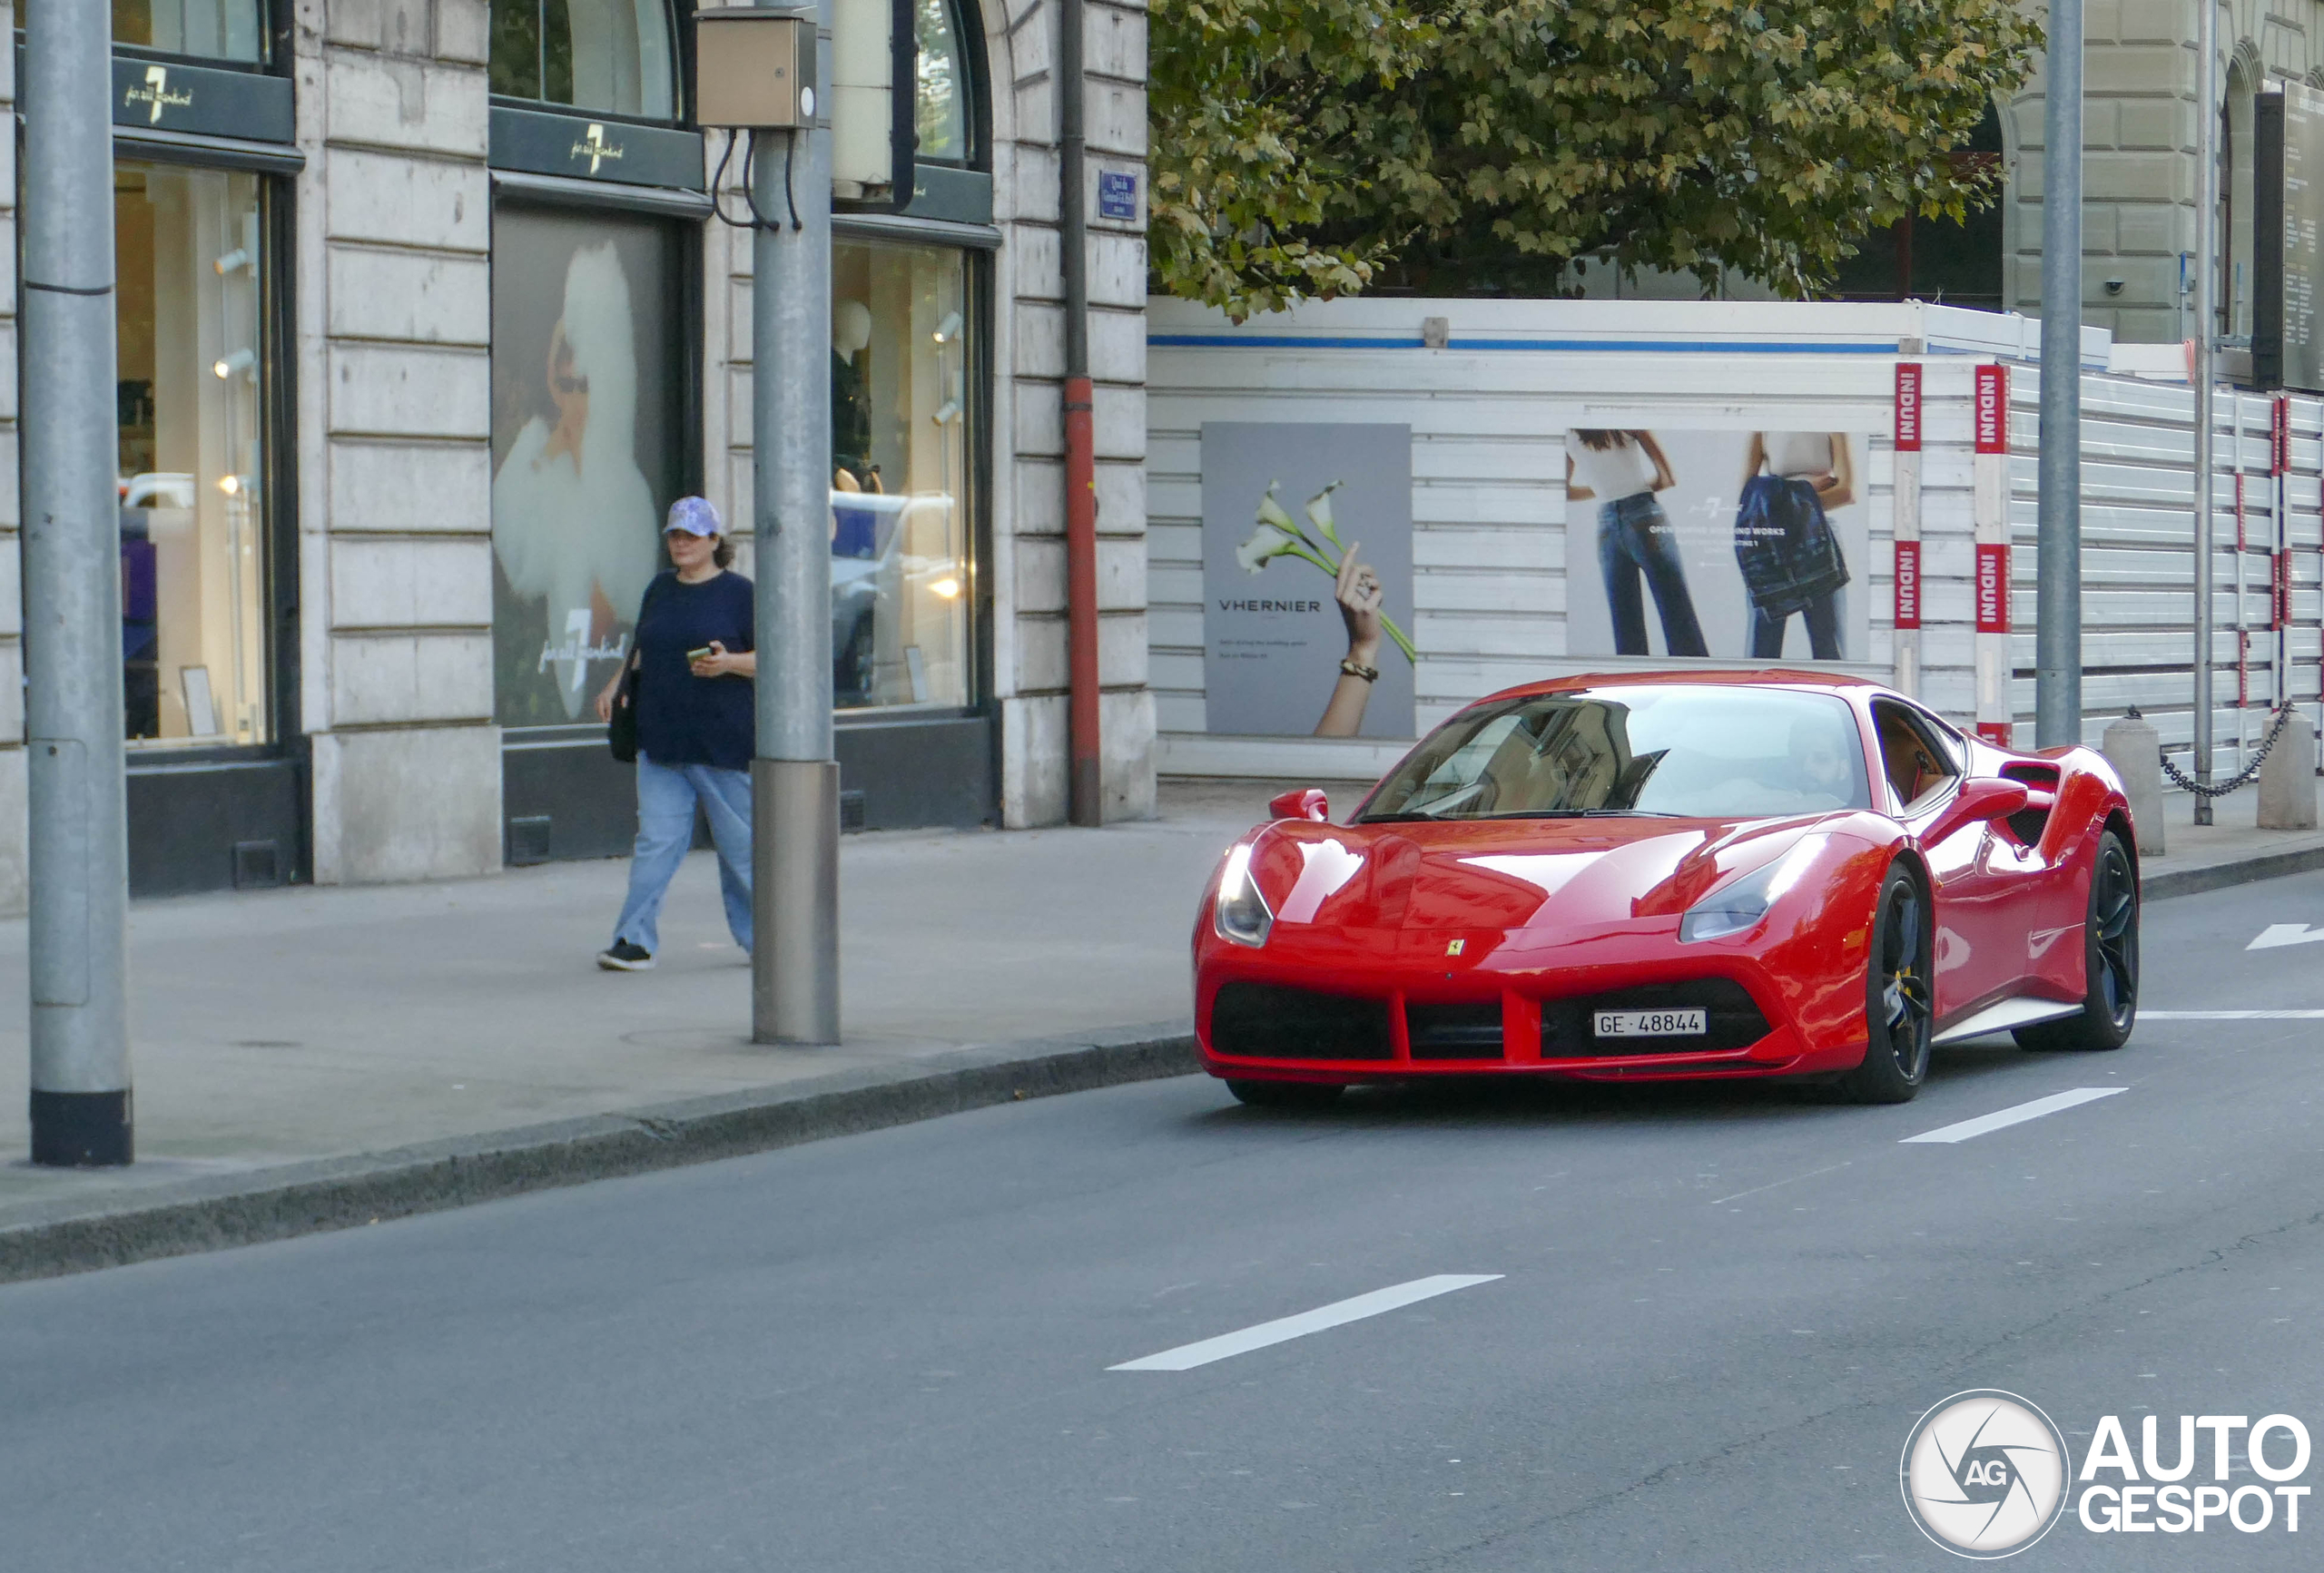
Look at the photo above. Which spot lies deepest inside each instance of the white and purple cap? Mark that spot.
(695, 516)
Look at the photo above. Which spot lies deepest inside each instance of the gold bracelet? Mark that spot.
(1369, 674)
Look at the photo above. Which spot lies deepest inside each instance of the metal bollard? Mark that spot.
(2134, 749)
(2288, 778)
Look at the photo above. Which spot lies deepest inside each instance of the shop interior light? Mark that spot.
(233, 261)
(231, 484)
(949, 328)
(242, 359)
(948, 588)
(946, 412)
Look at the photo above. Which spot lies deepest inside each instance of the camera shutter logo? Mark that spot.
(1986, 1474)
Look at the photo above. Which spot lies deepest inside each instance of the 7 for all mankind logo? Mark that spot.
(156, 94)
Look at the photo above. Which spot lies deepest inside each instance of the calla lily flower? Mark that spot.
(1267, 543)
(1319, 513)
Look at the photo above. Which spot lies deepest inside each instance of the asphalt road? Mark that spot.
(1716, 1314)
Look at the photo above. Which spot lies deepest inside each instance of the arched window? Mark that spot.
(605, 56)
(2237, 151)
(1917, 259)
(947, 129)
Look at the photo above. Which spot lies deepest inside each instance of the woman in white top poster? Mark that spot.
(1784, 540)
(573, 518)
(1622, 470)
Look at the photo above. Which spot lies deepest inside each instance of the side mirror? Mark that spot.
(1980, 799)
(1306, 804)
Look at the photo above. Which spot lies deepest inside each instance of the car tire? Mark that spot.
(1898, 1014)
(1285, 1094)
(2110, 948)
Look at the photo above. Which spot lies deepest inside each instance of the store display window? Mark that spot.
(588, 443)
(901, 568)
(605, 56)
(192, 361)
(234, 30)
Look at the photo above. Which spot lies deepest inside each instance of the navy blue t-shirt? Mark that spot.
(682, 719)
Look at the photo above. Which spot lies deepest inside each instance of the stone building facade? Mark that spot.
(2138, 168)
(425, 316)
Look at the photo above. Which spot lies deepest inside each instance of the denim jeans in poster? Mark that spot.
(666, 795)
(1822, 616)
(1634, 537)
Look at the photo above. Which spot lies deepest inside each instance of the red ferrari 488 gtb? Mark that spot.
(1748, 874)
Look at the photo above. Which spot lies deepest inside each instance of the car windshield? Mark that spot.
(1698, 752)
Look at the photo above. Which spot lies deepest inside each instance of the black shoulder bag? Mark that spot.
(621, 732)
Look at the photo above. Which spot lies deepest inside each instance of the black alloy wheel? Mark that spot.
(2110, 1006)
(1285, 1094)
(1899, 1006)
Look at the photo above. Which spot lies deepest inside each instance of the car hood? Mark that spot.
(1506, 874)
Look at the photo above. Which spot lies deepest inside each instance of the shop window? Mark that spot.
(942, 101)
(191, 367)
(589, 446)
(900, 570)
(605, 56)
(232, 30)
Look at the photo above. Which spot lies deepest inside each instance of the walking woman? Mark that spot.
(1784, 540)
(1623, 470)
(696, 729)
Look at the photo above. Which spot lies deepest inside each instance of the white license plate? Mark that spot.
(1653, 1023)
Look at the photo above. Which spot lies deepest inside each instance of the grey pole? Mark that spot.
(2057, 585)
(79, 820)
(2206, 336)
(794, 902)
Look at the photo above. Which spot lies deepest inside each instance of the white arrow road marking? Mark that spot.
(2232, 1015)
(2280, 934)
(1187, 1356)
(2016, 1115)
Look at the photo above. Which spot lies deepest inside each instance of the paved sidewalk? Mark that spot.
(309, 1058)
(2230, 850)
(286, 1026)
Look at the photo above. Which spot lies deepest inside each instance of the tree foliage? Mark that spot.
(1301, 146)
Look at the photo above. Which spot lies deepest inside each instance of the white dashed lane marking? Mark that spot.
(2231, 1015)
(1187, 1356)
(2018, 1114)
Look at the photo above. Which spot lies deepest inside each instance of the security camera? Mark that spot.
(2113, 286)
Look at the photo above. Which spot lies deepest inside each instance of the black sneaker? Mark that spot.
(625, 957)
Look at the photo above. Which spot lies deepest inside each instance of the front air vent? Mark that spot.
(1454, 1031)
(1270, 1021)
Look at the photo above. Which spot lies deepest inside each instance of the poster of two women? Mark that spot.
(1728, 545)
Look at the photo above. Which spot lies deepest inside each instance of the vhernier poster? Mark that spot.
(1308, 563)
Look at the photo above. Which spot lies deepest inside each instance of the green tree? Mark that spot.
(1302, 146)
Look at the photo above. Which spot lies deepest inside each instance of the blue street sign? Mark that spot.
(1116, 195)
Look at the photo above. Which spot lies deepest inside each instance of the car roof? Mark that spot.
(1763, 678)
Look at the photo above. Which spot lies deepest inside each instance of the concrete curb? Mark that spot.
(2219, 875)
(178, 1219)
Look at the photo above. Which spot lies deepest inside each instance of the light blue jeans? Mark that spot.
(666, 795)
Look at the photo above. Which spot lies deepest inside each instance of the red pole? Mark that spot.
(1088, 780)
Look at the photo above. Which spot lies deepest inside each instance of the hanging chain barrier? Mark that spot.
(2244, 777)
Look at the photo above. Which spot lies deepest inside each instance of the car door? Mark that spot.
(1922, 772)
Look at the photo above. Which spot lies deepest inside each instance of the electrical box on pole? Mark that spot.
(754, 68)
(875, 72)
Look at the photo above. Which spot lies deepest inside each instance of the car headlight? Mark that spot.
(1241, 913)
(1739, 904)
